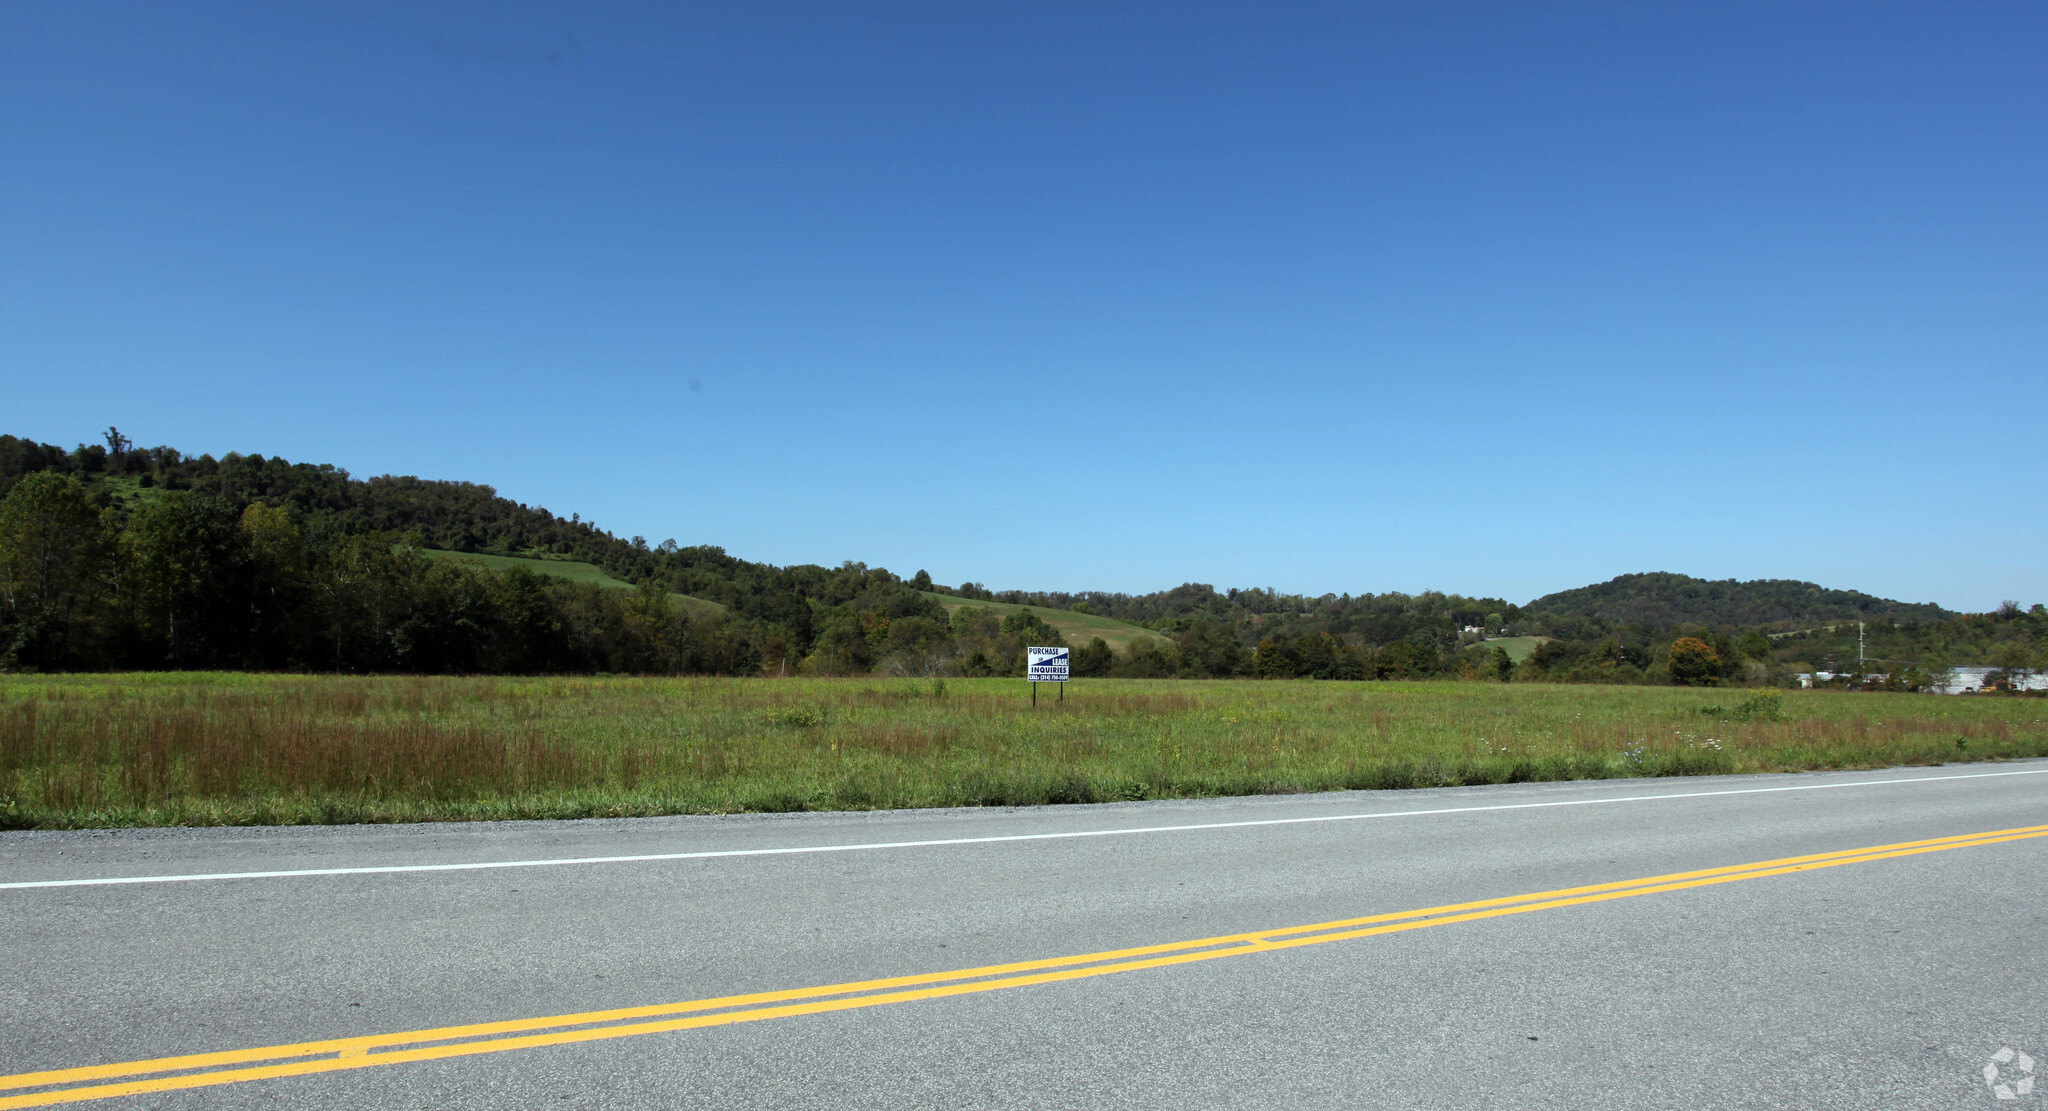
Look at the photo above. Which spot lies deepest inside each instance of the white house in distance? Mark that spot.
(1961, 680)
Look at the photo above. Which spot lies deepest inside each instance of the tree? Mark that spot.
(1148, 660)
(1348, 663)
(46, 524)
(51, 549)
(1275, 659)
(190, 560)
(918, 646)
(1694, 662)
(278, 582)
(1411, 657)
(529, 628)
(842, 647)
(1093, 660)
(1208, 650)
(2015, 661)
(1317, 652)
(1502, 665)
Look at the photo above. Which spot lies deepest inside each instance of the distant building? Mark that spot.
(1959, 680)
(1967, 680)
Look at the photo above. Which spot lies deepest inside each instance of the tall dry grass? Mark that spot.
(206, 749)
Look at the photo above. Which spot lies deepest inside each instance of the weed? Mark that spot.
(1761, 705)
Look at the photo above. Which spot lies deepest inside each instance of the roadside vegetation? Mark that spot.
(205, 749)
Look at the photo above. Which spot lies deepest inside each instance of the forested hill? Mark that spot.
(456, 516)
(326, 502)
(139, 558)
(114, 556)
(1663, 600)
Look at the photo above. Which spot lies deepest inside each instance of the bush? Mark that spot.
(1761, 705)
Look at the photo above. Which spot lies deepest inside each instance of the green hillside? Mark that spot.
(1076, 627)
(564, 569)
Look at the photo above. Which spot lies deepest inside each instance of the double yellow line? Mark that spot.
(235, 1066)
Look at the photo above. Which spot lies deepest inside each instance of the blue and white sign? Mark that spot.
(1046, 665)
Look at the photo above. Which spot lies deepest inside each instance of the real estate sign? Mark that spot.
(1046, 665)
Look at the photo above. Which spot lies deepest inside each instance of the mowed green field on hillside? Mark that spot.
(220, 748)
(565, 569)
(1078, 628)
(1518, 648)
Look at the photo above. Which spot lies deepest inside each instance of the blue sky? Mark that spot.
(1353, 298)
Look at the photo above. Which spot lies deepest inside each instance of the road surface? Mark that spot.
(1855, 940)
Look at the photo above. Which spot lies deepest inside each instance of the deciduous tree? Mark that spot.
(1693, 662)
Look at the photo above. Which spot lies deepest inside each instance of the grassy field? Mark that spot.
(1518, 648)
(1076, 627)
(189, 749)
(565, 569)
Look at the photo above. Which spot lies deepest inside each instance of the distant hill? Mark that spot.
(1662, 599)
(245, 561)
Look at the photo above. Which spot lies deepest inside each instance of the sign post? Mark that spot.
(1047, 665)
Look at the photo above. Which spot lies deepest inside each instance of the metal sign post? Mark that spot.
(1047, 665)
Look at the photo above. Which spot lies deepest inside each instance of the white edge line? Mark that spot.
(797, 850)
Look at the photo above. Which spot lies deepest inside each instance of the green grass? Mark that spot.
(565, 569)
(128, 490)
(1519, 648)
(207, 749)
(1077, 628)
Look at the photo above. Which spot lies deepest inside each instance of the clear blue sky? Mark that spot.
(1358, 297)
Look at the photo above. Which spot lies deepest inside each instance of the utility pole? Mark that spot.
(1859, 646)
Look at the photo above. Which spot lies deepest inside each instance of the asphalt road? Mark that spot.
(1875, 981)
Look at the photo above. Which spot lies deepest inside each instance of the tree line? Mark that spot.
(113, 556)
